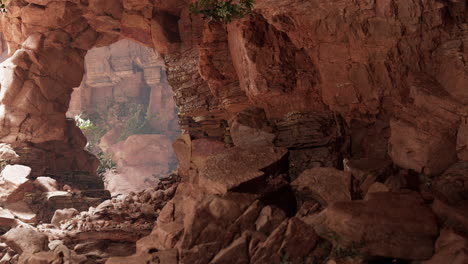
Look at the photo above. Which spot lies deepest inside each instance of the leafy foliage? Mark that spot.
(94, 125)
(137, 123)
(83, 124)
(92, 132)
(3, 6)
(222, 10)
(106, 163)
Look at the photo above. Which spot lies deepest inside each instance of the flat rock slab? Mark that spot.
(324, 185)
(6, 218)
(397, 225)
(14, 182)
(22, 211)
(228, 170)
(46, 184)
(25, 240)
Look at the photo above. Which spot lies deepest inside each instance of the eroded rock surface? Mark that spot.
(331, 82)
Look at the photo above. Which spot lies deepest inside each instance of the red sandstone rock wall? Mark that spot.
(374, 88)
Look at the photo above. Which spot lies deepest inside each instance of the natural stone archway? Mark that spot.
(126, 110)
(373, 90)
(302, 65)
(47, 47)
(36, 86)
(72, 28)
(375, 83)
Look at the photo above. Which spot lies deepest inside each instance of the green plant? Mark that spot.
(137, 123)
(222, 10)
(92, 132)
(106, 163)
(83, 124)
(3, 6)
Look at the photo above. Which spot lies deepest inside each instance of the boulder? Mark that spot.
(325, 185)
(366, 171)
(25, 240)
(293, 238)
(14, 183)
(141, 160)
(236, 166)
(452, 185)
(201, 224)
(22, 211)
(376, 187)
(7, 219)
(203, 148)
(63, 214)
(387, 224)
(269, 218)
(413, 148)
(450, 247)
(40, 257)
(7, 152)
(236, 253)
(454, 216)
(46, 184)
(250, 128)
(145, 150)
(301, 159)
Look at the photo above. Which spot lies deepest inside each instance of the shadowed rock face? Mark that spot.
(378, 84)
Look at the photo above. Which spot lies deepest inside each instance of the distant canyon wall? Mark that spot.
(125, 94)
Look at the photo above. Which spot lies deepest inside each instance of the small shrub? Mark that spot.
(92, 132)
(106, 163)
(222, 10)
(137, 124)
(3, 6)
(83, 124)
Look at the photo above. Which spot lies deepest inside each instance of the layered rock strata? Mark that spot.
(373, 90)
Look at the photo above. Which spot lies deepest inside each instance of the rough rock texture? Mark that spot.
(325, 185)
(122, 72)
(25, 240)
(109, 229)
(396, 225)
(333, 81)
(141, 160)
(237, 166)
(14, 183)
(451, 247)
(125, 92)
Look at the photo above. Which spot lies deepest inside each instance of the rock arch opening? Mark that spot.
(126, 110)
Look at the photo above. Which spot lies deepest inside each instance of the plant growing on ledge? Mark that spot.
(2, 6)
(222, 10)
